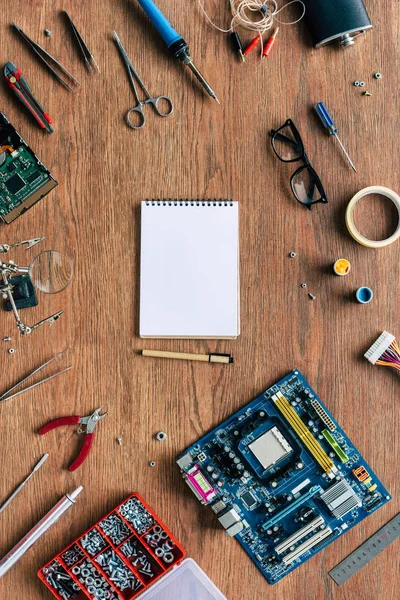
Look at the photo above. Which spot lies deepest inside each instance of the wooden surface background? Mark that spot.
(204, 150)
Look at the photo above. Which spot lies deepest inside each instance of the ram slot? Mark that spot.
(299, 535)
(304, 434)
(307, 545)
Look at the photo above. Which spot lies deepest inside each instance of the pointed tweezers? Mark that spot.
(87, 55)
(47, 59)
(2, 397)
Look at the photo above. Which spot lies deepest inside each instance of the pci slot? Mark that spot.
(307, 545)
(316, 489)
(335, 446)
(299, 535)
(323, 415)
(304, 434)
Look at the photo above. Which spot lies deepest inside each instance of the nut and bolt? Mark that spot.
(11, 351)
(117, 571)
(115, 529)
(161, 436)
(152, 463)
(137, 515)
(293, 255)
(47, 32)
(7, 339)
(93, 542)
(303, 285)
(366, 94)
(356, 83)
(312, 296)
(119, 440)
(377, 75)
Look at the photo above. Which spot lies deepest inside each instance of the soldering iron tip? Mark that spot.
(216, 99)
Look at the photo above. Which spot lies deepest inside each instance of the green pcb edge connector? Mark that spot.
(334, 445)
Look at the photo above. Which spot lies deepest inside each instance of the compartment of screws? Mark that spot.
(137, 515)
(72, 555)
(147, 567)
(93, 542)
(118, 572)
(115, 529)
(93, 581)
(58, 579)
(162, 545)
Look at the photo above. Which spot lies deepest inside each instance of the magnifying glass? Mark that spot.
(51, 271)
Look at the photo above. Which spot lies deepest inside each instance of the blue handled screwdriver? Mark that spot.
(175, 42)
(331, 128)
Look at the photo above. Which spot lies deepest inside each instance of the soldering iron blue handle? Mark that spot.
(160, 22)
(325, 118)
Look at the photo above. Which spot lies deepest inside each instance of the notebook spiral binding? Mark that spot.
(187, 202)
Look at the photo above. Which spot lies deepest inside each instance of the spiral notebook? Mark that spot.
(189, 269)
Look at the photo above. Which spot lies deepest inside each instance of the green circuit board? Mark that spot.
(24, 180)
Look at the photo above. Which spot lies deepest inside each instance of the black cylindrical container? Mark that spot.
(330, 20)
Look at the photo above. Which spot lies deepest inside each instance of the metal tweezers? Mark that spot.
(47, 59)
(87, 55)
(3, 397)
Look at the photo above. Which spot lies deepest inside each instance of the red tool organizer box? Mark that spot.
(118, 558)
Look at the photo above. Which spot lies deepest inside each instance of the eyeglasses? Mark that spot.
(305, 183)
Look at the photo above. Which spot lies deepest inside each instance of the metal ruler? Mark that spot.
(367, 551)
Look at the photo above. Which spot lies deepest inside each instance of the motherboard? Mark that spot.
(24, 180)
(282, 477)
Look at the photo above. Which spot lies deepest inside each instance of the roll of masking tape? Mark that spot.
(355, 234)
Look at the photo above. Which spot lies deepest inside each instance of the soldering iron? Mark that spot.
(175, 42)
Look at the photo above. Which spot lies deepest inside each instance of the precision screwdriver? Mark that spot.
(175, 42)
(331, 128)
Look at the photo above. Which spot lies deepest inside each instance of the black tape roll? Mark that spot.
(332, 19)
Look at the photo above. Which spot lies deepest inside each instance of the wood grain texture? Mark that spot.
(204, 150)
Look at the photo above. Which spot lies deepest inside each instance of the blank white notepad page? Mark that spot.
(189, 275)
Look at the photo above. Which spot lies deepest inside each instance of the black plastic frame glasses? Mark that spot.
(297, 143)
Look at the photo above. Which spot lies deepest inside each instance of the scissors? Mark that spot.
(137, 111)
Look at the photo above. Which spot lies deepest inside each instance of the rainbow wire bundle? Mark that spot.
(384, 352)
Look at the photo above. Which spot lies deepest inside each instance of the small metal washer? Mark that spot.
(293, 255)
(356, 83)
(11, 351)
(303, 285)
(377, 75)
(161, 436)
(362, 83)
(152, 463)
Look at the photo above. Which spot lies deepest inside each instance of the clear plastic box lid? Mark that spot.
(185, 582)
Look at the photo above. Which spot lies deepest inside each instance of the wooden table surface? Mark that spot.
(204, 150)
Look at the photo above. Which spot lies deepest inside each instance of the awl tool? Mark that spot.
(20, 87)
(331, 128)
(175, 42)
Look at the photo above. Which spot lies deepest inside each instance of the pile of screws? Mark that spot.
(93, 542)
(135, 513)
(93, 581)
(115, 529)
(140, 559)
(72, 555)
(118, 572)
(58, 578)
(159, 539)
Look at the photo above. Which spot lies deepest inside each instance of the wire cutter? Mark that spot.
(87, 424)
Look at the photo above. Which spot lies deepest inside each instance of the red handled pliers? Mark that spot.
(87, 425)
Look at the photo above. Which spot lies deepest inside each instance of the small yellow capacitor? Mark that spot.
(342, 267)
